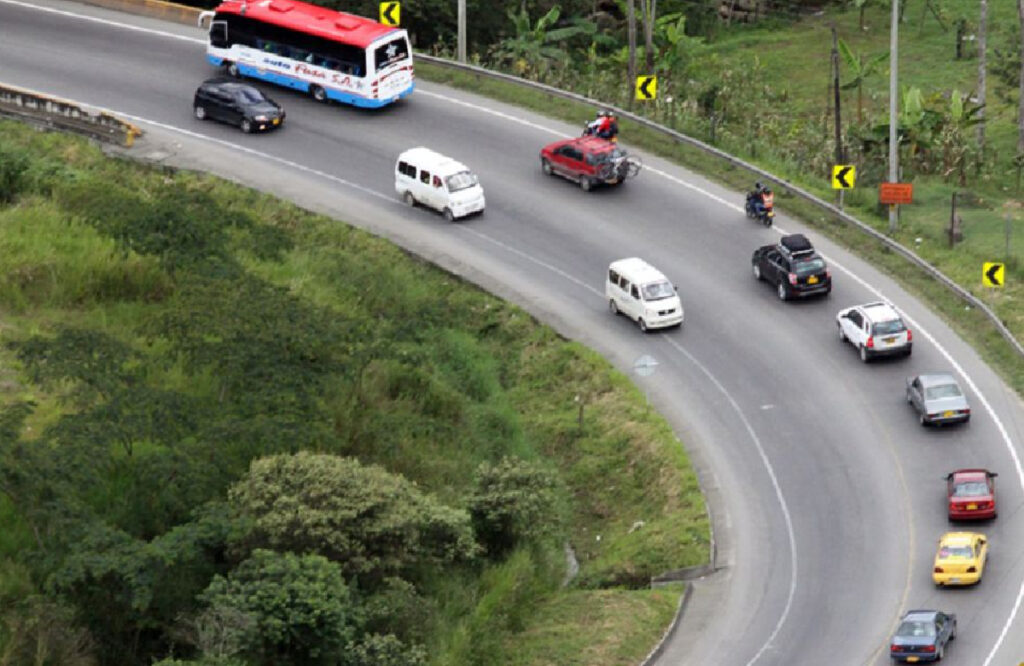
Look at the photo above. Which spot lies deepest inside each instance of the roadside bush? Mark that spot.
(370, 521)
(516, 502)
(14, 162)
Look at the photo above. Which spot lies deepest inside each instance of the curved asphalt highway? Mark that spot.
(826, 495)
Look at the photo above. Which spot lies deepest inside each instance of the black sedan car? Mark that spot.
(923, 636)
(793, 267)
(237, 103)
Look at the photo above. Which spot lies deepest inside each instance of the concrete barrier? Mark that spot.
(55, 113)
(166, 11)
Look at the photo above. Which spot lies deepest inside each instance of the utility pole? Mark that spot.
(893, 101)
(461, 47)
(838, 124)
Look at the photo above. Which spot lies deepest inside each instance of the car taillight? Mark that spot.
(983, 505)
(910, 335)
(939, 570)
(828, 273)
(965, 411)
(792, 278)
(927, 648)
(870, 344)
(894, 648)
(972, 569)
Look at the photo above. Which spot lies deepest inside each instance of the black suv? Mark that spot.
(237, 103)
(793, 267)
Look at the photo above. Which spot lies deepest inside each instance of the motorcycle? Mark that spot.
(761, 207)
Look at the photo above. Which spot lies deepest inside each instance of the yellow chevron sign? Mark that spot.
(390, 13)
(646, 87)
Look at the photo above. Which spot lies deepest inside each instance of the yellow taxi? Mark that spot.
(960, 559)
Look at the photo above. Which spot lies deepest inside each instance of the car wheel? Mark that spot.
(922, 420)
(233, 70)
(246, 125)
(614, 309)
(757, 272)
(642, 324)
(909, 399)
(448, 214)
(409, 199)
(585, 184)
(941, 652)
(952, 634)
(864, 356)
(842, 333)
(783, 291)
(318, 93)
(200, 112)
(545, 166)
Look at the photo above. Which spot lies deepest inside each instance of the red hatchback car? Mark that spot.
(971, 494)
(589, 161)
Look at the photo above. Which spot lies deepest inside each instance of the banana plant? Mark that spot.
(860, 68)
(536, 45)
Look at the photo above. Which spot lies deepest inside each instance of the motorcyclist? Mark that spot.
(604, 125)
(761, 200)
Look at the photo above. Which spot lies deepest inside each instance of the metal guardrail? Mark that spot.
(50, 111)
(679, 137)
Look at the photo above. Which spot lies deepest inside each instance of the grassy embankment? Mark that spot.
(795, 56)
(456, 377)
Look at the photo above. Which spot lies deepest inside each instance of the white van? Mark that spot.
(642, 293)
(423, 176)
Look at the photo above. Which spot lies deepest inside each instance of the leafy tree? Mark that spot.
(516, 502)
(302, 611)
(42, 632)
(370, 521)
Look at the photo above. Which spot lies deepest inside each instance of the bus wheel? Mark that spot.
(318, 93)
(233, 70)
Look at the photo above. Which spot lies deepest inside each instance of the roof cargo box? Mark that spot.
(795, 243)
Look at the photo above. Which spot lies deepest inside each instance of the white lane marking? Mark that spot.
(691, 186)
(778, 495)
(96, 19)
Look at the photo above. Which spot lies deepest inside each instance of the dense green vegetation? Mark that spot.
(233, 432)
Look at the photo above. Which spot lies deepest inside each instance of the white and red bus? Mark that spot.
(329, 54)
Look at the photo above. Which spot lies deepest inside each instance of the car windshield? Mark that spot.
(250, 96)
(946, 552)
(657, 291)
(942, 391)
(916, 628)
(807, 266)
(609, 155)
(889, 327)
(970, 489)
(461, 181)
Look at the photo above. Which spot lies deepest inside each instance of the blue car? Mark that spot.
(923, 636)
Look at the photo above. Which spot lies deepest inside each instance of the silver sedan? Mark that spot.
(938, 398)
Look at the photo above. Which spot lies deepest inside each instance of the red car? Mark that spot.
(589, 161)
(971, 494)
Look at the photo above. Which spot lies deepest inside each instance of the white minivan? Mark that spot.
(642, 293)
(429, 178)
